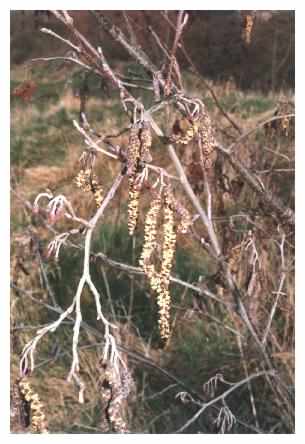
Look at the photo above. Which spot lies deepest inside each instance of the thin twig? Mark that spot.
(253, 130)
(222, 397)
(209, 88)
(138, 271)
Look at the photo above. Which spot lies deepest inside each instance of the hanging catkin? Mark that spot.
(88, 182)
(184, 131)
(206, 139)
(37, 418)
(138, 153)
(133, 157)
(168, 251)
(159, 281)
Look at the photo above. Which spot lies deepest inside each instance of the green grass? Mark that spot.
(246, 106)
(40, 135)
(255, 105)
(36, 137)
(36, 146)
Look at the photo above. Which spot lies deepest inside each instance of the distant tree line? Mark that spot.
(213, 40)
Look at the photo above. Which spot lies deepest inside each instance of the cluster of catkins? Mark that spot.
(31, 408)
(138, 153)
(165, 206)
(200, 129)
(88, 182)
(159, 279)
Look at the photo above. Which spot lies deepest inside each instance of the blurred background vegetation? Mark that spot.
(250, 82)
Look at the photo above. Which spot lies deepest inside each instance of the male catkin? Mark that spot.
(37, 417)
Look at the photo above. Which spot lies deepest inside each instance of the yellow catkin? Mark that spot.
(185, 135)
(150, 241)
(207, 142)
(97, 190)
(159, 281)
(200, 129)
(133, 158)
(133, 205)
(168, 251)
(133, 151)
(98, 196)
(164, 303)
(38, 418)
(138, 152)
(82, 180)
(88, 182)
(146, 142)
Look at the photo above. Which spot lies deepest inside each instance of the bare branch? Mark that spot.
(222, 397)
(110, 349)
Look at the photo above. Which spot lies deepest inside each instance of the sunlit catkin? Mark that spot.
(146, 141)
(207, 143)
(169, 239)
(133, 151)
(150, 242)
(97, 190)
(159, 281)
(88, 182)
(138, 153)
(168, 251)
(133, 159)
(133, 204)
(82, 180)
(184, 132)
